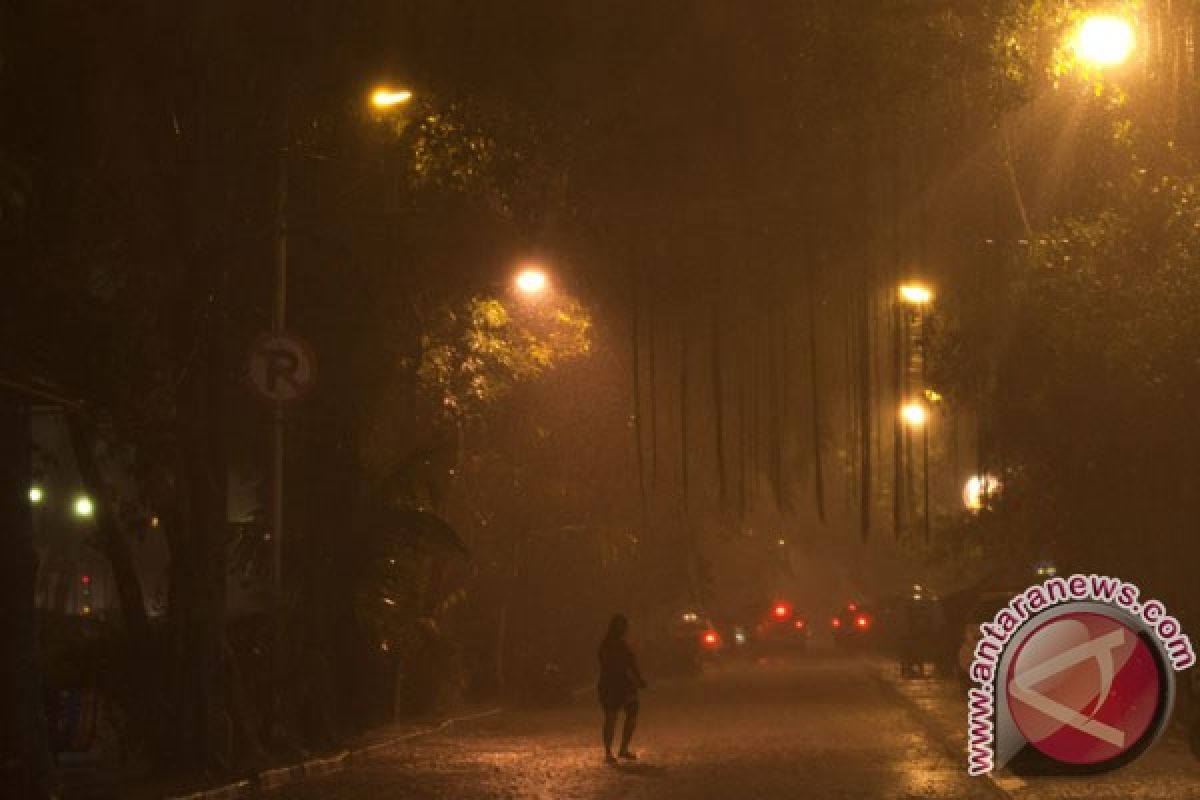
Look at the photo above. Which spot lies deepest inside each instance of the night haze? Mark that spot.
(599, 399)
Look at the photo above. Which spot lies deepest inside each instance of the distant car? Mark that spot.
(781, 631)
(684, 641)
(855, 627)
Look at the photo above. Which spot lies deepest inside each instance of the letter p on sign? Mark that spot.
(281, 367)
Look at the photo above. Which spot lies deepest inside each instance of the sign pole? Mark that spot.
(278, 322)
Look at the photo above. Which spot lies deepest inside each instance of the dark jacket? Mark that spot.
(620, 677)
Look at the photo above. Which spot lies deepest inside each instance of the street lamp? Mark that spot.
(532, 280)
(979, 491)
(388, 97)
(914, 414)
(84, 507)
(916, 295)
(1103, 40)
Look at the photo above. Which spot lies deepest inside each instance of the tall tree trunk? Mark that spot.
(743, 424)
(814, 380)
(635, 344)
(754, 388)
(25, 765)
(718, 390)
(684, 455)
(773, 388)
(898, 463)
(652, 380)
(109, 531)
(202, 733)
(140, 654)
(864, 408)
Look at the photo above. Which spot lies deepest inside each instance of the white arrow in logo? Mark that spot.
(1101, 649)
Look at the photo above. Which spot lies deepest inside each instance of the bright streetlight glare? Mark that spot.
(387, 97)
(979, 490)
(914, 414)
(916, 295)
(84, 506)
(1104, 41)
(36, 495)
(532, 280)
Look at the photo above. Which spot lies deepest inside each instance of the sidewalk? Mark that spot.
(80, 784)
(1167, 771)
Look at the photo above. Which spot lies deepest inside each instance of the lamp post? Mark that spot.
(913, 300)
(383, 99)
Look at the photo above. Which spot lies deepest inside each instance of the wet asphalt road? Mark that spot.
(823, 726)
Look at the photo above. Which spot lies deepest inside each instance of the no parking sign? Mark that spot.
(281, 367)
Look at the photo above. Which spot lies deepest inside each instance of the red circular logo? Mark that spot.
(1084, 688)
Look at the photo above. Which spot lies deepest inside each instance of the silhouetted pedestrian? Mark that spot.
(618, 686)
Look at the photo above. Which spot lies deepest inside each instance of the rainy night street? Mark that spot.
(826, 726)
(400, 399)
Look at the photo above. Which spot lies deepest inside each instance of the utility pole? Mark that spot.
(925, 427)
(278, 323)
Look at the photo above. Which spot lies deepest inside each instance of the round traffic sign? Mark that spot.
(281, 367)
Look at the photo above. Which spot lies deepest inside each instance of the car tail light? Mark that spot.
(711, 638)
(852, 606)
(781, 611)
(799, 624)
(836, 622)
(862, 622)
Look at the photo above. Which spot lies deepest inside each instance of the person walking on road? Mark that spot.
(618, 687)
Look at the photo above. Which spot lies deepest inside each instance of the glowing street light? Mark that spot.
(36, 495)
(916, 295)
(532, 280)
(914, 414)
(387, 97)
(1104, 41)
(84, 507)
(979, 490)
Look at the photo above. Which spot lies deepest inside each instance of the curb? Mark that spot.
(277, 777)
(1000, 786)
(230, 791)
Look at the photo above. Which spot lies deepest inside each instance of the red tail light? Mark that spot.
(711, 638)
(799, 624)
(781, 611)
(836, 622)
(862, 622)
(852, 606)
